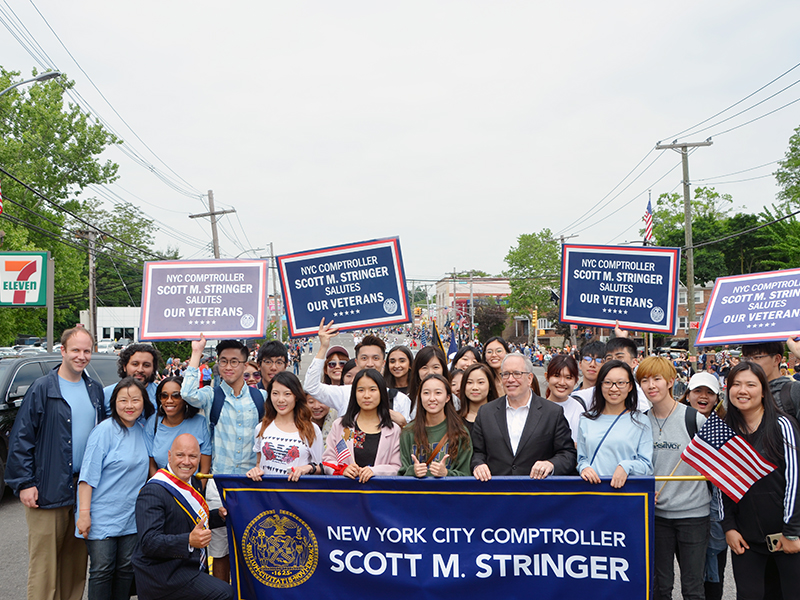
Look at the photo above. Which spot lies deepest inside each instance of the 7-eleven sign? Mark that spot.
(23, 278)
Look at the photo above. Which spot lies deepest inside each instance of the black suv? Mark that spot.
(18, 373)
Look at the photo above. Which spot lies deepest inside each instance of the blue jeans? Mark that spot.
(687, 539)
(110, 568)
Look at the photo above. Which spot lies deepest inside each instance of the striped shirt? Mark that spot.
(232, 443)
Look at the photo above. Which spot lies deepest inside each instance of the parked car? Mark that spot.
(17, 373)
(122, 342)
(105, 346)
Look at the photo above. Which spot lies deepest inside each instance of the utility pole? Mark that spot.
(90, 235)
(213, 214)
(471, 305)
(276, 293)
(572, 338)
(687, 219)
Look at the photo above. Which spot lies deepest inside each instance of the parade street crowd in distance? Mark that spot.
(434, 421)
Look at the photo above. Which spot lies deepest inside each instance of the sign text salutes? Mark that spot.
(568, 555)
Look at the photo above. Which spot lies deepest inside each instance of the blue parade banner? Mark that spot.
(746, 309)
(356, 285)
(401, 538)
(637, 286)
(221, 298)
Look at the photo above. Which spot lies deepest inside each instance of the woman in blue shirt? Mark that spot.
(174, 417)
(114, 468)
(614, 439)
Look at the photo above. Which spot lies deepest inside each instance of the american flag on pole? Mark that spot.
(648, 223)
(731, 463)
(342, 452)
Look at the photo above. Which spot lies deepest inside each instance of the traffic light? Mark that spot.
(535, 316)
(417, 311)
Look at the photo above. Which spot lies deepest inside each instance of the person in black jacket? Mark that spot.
(44, 456)
(169, 560)
(770, 506)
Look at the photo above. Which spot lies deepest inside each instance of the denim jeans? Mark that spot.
(110, 568)
(686, 539)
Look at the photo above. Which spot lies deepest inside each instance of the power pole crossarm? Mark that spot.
(213, 214)
(687, 216)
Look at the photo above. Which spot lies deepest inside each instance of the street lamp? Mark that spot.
(42, 77)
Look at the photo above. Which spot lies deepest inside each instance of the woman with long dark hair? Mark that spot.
(287, 441)
(364, 441)
(466, 357)
(477, 388)
(614, 439)
(428, 361)
(436, 442)
(173, 417)
(769, 509)
(397, 368)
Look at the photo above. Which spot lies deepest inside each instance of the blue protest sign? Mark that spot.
(221, 298)
(637, 286)
(759, 307)
(401, 538)
(356, 285)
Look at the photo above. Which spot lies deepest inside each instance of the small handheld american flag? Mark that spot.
(727, 459)
(342, 452)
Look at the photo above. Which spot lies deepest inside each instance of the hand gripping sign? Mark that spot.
(220, 298)
(637, 286)
(356, 285)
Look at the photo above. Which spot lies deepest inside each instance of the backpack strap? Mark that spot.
(392, 396)
(258, 400)
(219, 401)
(579, 399)
(691, 421)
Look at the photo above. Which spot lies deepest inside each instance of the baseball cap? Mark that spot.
(337, 350)
(704, 380)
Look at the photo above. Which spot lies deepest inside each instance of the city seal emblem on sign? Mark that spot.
(657, 314)
(390, 306)
(247, 321)
(280, 549)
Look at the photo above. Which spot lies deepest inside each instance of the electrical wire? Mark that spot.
(740, 233)
(738, 172)
(680, 133)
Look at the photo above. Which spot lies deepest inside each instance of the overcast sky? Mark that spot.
(456, 125)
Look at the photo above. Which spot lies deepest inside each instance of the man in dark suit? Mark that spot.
(168, 560)
(521, 433)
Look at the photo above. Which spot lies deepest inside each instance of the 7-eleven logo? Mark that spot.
(19, 284)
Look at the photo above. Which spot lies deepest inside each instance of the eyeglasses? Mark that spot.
(273, 363)
(234, 362)
(615, 384)
(255, 375)
(598, 360)
(756, 357)
(173, 395)
(514, 374)
(336, 363)
(498, 352)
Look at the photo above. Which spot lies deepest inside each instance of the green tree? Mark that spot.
(788, 173)
(54, 148)
(491, 318)
(534, 268)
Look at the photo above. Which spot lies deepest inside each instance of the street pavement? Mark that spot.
(13, 529)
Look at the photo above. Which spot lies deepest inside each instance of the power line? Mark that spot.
(740, 233)
(77, 218)
(737, 172)
(680, 133)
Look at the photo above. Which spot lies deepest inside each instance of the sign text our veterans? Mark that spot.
(219, 298)
(758, 307)
(637, 286)
(356, 285)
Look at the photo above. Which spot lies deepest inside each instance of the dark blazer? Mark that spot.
(163, 561)
(546, 436)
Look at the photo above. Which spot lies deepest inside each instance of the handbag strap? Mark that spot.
(436, 450)
(605, 435)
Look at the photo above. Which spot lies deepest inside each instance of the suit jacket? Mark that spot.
(545, 436)
(387, 460)
(163, 560)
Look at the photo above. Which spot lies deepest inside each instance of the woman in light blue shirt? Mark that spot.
(173, 418)
(114, 468)
(614, 439)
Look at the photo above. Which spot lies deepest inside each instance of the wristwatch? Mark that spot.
(792, 538)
